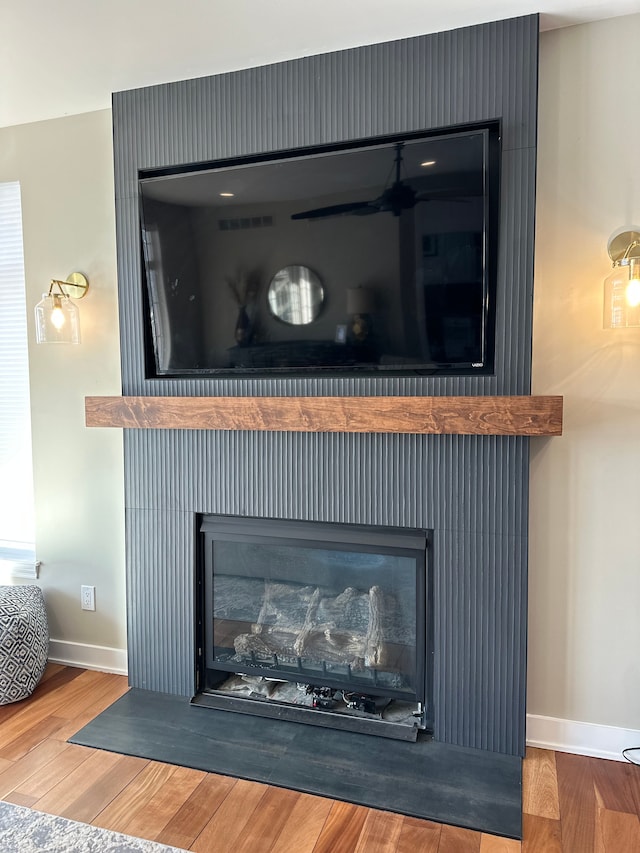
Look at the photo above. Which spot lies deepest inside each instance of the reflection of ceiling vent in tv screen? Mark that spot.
(245, 222)
(377, 257)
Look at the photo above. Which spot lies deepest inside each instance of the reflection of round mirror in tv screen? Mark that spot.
(295, 295)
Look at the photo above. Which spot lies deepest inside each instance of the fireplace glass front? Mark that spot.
(315, 617)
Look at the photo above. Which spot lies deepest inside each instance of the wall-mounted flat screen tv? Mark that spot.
(376, 257)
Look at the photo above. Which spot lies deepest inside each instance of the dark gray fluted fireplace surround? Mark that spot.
(470, 492)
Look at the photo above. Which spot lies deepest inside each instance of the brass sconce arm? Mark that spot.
(621, 247)
(76, 285)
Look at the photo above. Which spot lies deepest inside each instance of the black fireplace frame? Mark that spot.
(396, 541)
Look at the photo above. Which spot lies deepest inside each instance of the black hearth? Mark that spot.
(328, 624)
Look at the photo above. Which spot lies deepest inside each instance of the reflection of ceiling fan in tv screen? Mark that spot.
(395, 199)
(426, 261)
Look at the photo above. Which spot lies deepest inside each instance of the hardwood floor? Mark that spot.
(572, 804)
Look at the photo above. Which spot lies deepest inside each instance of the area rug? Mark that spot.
(28, 831)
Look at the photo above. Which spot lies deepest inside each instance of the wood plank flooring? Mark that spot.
(571, 804)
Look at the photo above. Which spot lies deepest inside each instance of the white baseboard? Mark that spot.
(102, 658)
(580, 738)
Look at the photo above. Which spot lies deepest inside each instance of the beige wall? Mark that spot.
(584, 638)
(65, 171)
(584, 630)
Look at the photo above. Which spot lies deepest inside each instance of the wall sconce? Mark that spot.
(57, 318)
(360, 306)
(622, 286)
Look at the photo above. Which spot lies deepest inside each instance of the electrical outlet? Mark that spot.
(88, 597)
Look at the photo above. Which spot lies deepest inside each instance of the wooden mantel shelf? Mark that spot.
(483, 415)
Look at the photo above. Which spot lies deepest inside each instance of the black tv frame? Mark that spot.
(493, 168)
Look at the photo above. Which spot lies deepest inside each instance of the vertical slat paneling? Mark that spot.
(479, 562)
(471, 491)
(160, 600)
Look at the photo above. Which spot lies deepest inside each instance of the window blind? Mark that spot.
(16, 471)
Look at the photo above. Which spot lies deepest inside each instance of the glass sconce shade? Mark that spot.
(622, 295)
(57, 320)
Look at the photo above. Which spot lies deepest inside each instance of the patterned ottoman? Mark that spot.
(24, 641)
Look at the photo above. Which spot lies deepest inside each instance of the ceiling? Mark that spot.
(67, 57)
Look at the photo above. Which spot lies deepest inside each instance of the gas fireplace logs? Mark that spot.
(303, 622)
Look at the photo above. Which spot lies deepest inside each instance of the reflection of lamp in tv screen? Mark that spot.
(360, 306)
